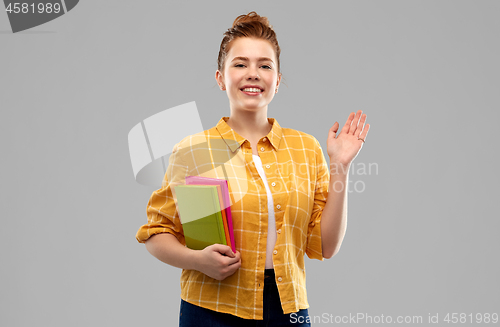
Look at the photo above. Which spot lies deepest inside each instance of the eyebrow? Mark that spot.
(246, 59)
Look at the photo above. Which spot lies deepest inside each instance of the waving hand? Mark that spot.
(345, 146)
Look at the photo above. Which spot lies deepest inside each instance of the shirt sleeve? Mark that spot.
(314, 249)
(162, 213)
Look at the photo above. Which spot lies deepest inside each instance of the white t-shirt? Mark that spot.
(271, 226)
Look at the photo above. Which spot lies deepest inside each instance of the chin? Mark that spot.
(254, 107)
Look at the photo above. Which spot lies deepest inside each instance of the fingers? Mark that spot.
(365, 132)
(345, 129)
(354, 123)
(223, 249)
(360, 126)
(234, 267)
(235, 260)
(231, 265)
(218, 261)
(229, 270)
(227, 256)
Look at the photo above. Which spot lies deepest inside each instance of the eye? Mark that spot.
(266, 67)
(239, 65)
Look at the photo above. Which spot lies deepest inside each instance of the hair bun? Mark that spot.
(249, 25)
(251, 17)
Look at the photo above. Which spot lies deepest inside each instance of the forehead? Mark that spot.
(251, 48)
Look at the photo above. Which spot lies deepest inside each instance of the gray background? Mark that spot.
(422, 236)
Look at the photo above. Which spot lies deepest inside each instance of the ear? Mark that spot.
(220, 80)
(278, 82)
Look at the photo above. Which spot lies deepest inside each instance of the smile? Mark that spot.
(252, 90)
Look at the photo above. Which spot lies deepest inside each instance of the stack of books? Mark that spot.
(205, 212)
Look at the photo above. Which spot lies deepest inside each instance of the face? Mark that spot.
(250, 76)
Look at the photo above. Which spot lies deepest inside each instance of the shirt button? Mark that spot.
(279, 231)
(278, 207)
(264, 139)
(280, 279)
(262, 149)
(267, 166)
(275, 252)
(273, 184)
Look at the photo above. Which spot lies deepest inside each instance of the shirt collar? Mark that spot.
(234, 140)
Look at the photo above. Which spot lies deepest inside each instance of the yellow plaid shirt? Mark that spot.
(298, 177)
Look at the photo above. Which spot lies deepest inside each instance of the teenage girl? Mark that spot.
(287, 201)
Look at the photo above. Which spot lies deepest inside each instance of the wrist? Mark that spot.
(338, 168)
(195, 260)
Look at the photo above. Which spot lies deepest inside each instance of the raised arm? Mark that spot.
(342, 151)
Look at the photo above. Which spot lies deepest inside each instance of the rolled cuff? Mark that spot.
(314, 249)
(150, 229)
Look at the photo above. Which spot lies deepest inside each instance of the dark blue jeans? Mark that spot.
(196, 316)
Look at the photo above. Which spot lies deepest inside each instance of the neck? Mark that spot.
(250, 125)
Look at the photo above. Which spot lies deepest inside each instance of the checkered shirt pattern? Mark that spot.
(298, 177)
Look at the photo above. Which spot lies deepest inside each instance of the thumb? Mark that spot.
(224, 249)
(333, 130)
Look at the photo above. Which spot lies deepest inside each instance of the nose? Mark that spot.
(253, 74)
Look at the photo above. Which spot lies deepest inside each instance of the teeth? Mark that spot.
(251, 89)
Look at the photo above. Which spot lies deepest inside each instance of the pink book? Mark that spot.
(198, 180)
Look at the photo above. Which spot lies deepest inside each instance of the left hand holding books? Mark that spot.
(218, 261)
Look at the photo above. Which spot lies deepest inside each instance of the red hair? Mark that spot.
(249, 25)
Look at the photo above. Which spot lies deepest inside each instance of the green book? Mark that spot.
(200, 214)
